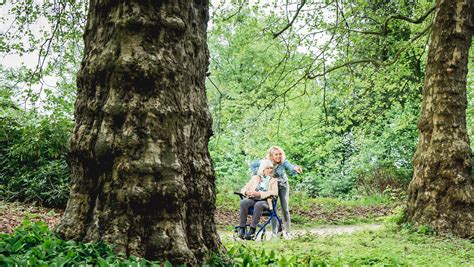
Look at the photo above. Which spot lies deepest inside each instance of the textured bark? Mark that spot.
(441, 193)
(142, 177)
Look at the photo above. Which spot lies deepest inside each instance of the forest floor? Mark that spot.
(321, 239)
(315, 212)
(13, 213)
(318, 215)
(320, 231)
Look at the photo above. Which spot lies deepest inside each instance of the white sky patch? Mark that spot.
(14, 60)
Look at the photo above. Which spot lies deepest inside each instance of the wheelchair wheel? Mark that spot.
(260, 237)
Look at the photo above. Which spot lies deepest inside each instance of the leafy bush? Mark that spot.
(32, 160)
(333, 185)
(382, 179)
(33, 244)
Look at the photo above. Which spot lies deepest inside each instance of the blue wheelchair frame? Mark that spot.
(266, 212)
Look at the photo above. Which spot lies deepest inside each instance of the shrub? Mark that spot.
(33, 244)
(383, 179)
(333, 185)
(33, 156)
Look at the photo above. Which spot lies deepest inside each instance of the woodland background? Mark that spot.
(353, 130)
(341, 97)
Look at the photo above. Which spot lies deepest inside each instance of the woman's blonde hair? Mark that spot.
(272, 149)
(264, 163)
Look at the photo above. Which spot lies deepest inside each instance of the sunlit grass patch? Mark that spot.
(392, 246)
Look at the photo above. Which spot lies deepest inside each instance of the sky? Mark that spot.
(31, 59)
(14, 60)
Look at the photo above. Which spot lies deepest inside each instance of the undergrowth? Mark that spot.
(33, 244)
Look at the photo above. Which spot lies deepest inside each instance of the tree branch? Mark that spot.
(414, 21)
(375, 62)
(384, 29)
(303, 2)
(236, 13)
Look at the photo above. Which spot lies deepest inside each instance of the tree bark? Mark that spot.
(441, 194)
(142, 177)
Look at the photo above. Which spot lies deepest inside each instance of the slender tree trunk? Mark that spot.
(441, 194)
(142, 177)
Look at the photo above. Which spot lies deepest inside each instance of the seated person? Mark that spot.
(258, 192)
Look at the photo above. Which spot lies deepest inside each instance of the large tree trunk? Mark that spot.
(142, 177)
(441, 193)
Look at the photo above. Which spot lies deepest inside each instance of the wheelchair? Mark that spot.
(261, 228)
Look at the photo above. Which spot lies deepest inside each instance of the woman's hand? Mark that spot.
(252, 194)
(298, 169)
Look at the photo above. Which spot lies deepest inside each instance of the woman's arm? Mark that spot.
(294, 169)
(254, 167)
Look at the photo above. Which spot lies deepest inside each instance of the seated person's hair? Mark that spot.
(264, 163)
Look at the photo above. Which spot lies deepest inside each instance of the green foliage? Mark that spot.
(397, 216)
(351, 127)
(33, 148)
(382, 180)
(388, 247)
(353, 130)
(33, 244)
(247, 256)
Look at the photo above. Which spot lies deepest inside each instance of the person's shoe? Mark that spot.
(250, 234)
(287, 235)
(241, 233)
(269, 236)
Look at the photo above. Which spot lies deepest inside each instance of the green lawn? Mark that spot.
(388, 247)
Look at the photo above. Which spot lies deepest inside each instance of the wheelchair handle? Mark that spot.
(240, 195)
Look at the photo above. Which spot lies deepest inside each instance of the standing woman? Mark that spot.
(280, 166)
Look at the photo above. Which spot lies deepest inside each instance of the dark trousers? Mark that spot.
(258, 206)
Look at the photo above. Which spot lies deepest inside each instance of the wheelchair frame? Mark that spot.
(269, 213)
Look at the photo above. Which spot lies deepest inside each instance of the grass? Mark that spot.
(34, 244)
(228, 200)
(299, 199)
(388, 247)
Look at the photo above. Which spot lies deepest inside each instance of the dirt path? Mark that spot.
(322, 230)
(337, 229)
